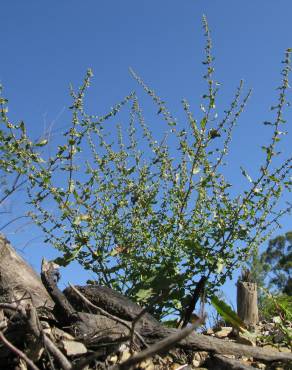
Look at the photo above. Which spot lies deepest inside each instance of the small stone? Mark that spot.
(209, 331)
(259, 365)
(223, 332)
(243, 339)
(113, 359)
(72, 348)
(59, 334)
(176, 366)
(245, 359)
(146, 365)
(200, 358)
(125, 355)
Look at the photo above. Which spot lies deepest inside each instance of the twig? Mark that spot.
(34, 325)
(14, 307)
(156, 348)
(31, 316)
(18, 352)
(105, 313)
(12, 220)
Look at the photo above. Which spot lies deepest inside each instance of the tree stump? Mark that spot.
(18, 281)
(247, 301)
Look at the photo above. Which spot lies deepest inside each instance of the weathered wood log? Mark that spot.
(219, 362)
(94, 329)
(154, 333)
(18, 281)
(247, 301)
(111, 301)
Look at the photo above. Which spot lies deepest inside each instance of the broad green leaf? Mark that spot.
(226, 312)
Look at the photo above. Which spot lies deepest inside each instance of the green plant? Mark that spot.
(18, 156)
(227, 314)
(147, 218)
(277, 308)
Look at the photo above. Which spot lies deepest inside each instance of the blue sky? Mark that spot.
(47, 45)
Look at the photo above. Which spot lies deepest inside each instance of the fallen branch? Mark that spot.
(157, 348)
(219, 346)
(30, 315)
(225, 363)
(34, 325)
(105, 313)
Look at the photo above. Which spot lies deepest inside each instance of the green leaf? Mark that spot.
(226, 312)
(274, 178)
(42, 142)
(203, 123)
(62, 261)
(144, 294)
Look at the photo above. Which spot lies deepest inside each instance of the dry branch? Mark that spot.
(157, 348)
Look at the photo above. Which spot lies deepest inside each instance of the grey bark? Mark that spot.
(18, 281)
(247, 303)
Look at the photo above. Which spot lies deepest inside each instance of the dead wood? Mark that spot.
(111, 301)
(98, 317)
(152, 331)
(18, 281)
(220, 362)
(17, 351)
(247, 300)
(161, 346)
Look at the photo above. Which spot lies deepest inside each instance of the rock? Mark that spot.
(259, 365)
(223, 332)
(113, 360)
(245, 359)
(125, 354)
(175, 366)
(58, 334)
(246, 339)
(72, 348)
(200, 358)
(146, 365)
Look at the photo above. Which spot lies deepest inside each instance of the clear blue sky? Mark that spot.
(47, 45)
